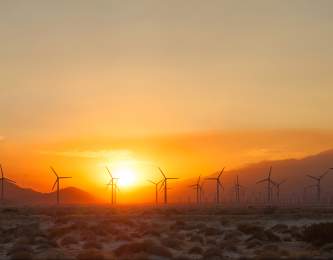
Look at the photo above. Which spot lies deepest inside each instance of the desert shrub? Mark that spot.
(253, 243)
(137, 256)
(271, 247)
(213, 253)
(200, 226)
(269, 210)
(232, 235)
(249, 229)
(182, 257)
(20, 255)
(68, 240)
(87, 235)
(62, 220)
(89, 254)
(195, 250)
(266, 235)
(50, 254)
(318, 234)
(211, 241)
(19, 248)
(123, 237)
(296, 232)
(56, 232)
(327, 248)
(92, 244)
(147, 246)
(224, 222)
(172, 242)
(197, 238)
(178, 225)
(280, 228)
(210, 231)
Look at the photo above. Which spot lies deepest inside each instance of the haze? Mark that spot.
(161, 82)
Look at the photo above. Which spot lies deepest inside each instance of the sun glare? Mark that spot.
(126, 175)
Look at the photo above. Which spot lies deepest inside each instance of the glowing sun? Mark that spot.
(126, 175)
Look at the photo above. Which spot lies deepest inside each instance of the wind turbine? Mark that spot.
(305, 191)
(237, 189)
(218, 185)
(3, 178)
(57, 182)
(164, 185)
(318, 180)
(116, 188)
(112, 184)
(269, 183)
(201, 190)
(198, 189)
(156, 189)
(277, 185)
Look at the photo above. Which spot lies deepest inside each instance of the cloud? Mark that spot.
(110, 154)
(273, 154)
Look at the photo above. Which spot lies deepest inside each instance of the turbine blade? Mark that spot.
(221, 173)
(152, 182)
(65, 177)
(313, 177)
(107, 169)
(162, 185)
(270, 172)
(199, 179)
(172, 178)
(274, 183)
(54, 184)
(281, 182)
(321, 176)
(262, 181)
(162, 172)
(211, 179)
(54, 172)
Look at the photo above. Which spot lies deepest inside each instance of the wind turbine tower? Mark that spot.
(164, 185)
(218, 185)
(3, 179)
(57, 182)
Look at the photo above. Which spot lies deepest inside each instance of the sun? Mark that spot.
(126, 175)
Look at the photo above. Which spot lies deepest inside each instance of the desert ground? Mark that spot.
(173, 232)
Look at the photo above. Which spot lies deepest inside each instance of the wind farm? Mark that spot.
(157, 130)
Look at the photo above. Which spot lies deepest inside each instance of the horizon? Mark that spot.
(187, 87)
(143, 194)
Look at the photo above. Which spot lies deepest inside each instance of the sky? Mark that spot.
(108, 77)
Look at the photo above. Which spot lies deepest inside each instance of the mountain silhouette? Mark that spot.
(71, 195)
(292, 170)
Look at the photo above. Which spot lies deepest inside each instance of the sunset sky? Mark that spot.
(190, 86)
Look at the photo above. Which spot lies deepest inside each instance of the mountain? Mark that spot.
(70, 195)
(293, 170)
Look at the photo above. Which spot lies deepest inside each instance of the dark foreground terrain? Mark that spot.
(103, 232)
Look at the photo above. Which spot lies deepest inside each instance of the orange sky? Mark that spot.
(183, 155)
(190, 86)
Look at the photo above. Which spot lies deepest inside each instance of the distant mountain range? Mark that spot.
(292, 170)
(70, 195)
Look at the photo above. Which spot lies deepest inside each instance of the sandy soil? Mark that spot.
(175, 232)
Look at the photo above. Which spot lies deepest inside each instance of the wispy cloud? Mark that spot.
(273, 154)
(110, 154)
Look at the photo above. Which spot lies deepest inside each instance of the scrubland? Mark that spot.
(174, 232)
